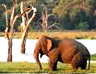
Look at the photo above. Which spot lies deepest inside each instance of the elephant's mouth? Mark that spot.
(41, 55)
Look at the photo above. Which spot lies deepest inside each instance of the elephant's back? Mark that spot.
(82, 48)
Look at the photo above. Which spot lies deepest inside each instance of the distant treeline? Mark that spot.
(67, 14)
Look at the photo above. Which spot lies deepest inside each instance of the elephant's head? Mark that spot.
(42, 47)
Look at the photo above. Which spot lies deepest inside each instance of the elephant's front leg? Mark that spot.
(53, 59)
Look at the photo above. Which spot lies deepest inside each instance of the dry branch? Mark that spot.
(6, 30)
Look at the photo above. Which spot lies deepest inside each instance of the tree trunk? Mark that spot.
(45, 20)
(9, 58)
(25, 26)
(9, 36)
(23, 46)
(23, 43)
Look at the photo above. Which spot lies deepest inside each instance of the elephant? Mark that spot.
(63, 50)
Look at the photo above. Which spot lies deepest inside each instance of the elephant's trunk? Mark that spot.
(37, 61)
(36, 55)
(41, 54)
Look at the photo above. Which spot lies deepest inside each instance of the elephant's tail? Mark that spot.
(89, 59)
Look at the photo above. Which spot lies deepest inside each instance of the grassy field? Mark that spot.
(25, 67)
(58, 34)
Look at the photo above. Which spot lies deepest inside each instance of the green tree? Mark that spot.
(70, 6)
(77, 11)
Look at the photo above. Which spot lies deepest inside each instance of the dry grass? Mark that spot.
(58, 34)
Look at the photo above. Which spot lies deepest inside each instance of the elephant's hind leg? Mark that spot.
(76, 61)
(83, 64)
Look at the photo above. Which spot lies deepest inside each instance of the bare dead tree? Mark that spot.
(25, 24)
(13, 18)
(55, 23)
(5, 14)
(45, 19)
(9, 35)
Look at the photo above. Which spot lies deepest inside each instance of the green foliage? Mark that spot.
(77, 11)
(66, 6)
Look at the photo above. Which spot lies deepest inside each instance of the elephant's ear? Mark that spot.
(49, 44)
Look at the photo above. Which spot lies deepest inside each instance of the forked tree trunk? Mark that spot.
(9, 59)
(9, 36)
(45, 17)
(25, 26)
